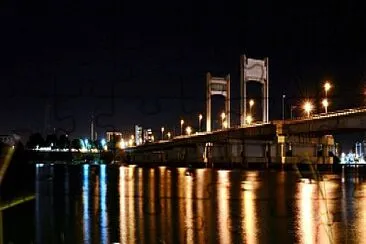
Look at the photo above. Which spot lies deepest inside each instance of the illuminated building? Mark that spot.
(138, 135)
(148, 136)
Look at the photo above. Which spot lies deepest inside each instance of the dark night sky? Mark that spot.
(154, 56)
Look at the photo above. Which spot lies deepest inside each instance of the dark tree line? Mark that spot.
(61, 142)
(51, 140)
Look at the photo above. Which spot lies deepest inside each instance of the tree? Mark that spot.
(35, 140)
(75, 144)
(63, 141)
(51, 140)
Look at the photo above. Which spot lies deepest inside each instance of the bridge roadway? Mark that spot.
(341, 121)
(276, 141)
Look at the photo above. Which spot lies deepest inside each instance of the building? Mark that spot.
(114, 136)
(148, 136)
(138, 135)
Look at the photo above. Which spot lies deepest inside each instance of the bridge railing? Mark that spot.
(329, 114)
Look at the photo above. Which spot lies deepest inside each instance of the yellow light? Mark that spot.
(249, 119)
(181, 122)
(132, 137)
(223, 115)
(225, 124)
(251, 102)
(325, 102)
(200, 117)
(189, 130)
(169, 135)
(327, 86)
(308, 107)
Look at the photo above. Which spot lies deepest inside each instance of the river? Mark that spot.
(111, 204)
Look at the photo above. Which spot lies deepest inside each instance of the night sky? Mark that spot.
(145, 62)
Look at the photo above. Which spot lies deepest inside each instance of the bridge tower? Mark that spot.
(217, 86)
(253, 70)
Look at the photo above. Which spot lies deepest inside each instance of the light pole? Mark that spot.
(325, 102)
(162, 133)
(223, 116)
(199, 122)
(283, 106)
(181, 126)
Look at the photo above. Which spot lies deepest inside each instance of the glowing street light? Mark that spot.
(199, 122)
(325, 103)
(189, 130)
(169, 135)
(249, 119)
(162, 133)
(327, 86)
(181, 126)
(308, 107)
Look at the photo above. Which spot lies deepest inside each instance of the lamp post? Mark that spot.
(199, 122)
(325, 102)
(162, 133)
(181, 126)
(292, 109)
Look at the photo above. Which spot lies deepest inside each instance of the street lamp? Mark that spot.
(199, 122)
(223, 116)
(308, 107)
(189, 130)
(249, 119)
(162, 133)
(181, 126)
(325, 103)
(169, 135)
(327, 86)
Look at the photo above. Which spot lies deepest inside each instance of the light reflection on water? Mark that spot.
(165, 205)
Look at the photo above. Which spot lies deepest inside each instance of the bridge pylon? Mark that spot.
(217, 86)
(253, 70)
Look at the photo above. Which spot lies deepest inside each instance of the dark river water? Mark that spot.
(111, 204)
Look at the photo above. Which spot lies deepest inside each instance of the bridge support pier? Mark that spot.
(305, 149)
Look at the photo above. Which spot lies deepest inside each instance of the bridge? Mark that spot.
(308, 138)
(287, 141)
